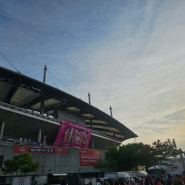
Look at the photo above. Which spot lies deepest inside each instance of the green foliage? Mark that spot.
(10, 167)
(165, 150)
(110, 162)
(131, 156)
(126, 157)
(20, 164)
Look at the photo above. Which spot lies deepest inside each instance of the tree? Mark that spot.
(20, 165)
(127, 157)
(110, 161)
(165, 150)
(135, 155)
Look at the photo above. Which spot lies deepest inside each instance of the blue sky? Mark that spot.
(128, 54)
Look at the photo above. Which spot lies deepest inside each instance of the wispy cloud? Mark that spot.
(127, 54)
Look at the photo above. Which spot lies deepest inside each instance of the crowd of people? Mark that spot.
(148, 180)
(111, 181)
(160, 180)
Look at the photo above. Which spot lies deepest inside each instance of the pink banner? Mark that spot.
(73, 135)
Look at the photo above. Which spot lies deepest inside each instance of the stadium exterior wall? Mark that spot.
(56, 163)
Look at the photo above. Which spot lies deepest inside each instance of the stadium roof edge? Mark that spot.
(16, 81)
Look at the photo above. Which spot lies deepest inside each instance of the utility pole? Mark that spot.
(44, 76)
(110, 111)
(89, 96)
(42, 99)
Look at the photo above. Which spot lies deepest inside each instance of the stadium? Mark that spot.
(35, 117)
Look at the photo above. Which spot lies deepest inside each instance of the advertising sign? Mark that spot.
(73, 135)
(89, 157)
(36, 150)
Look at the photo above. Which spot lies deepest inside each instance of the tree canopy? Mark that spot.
(165, 150)
(20, 165)
(137, 156)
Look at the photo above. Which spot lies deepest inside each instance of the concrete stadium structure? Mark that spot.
(30, 116)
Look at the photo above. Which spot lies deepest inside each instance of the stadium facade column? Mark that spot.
(39, 135)
(56, 113)
(2, 130)
(91, 118)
